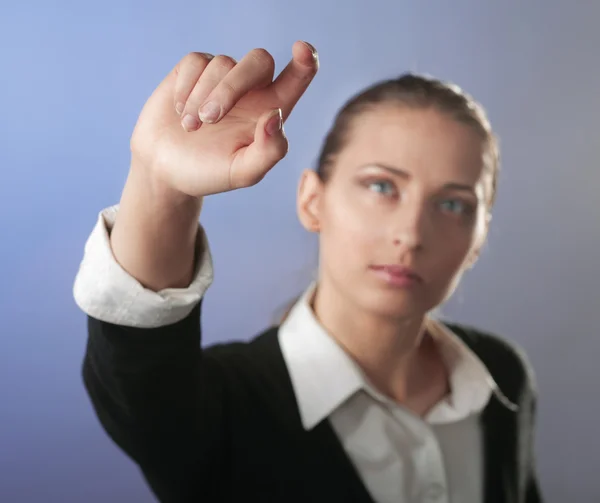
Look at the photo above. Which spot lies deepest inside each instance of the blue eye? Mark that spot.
(454, 206)
(382, 187)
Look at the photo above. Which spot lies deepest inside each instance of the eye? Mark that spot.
(382, 186)
(456, 207)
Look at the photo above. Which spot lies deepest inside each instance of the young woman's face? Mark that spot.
(407, 191)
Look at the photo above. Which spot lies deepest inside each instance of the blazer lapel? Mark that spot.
(324, 457)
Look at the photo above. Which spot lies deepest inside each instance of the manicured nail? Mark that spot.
(210, 112)
(190, 123)
(179, 108)
(313, 50)
(274, 123)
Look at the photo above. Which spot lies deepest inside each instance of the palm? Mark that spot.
(213, 158)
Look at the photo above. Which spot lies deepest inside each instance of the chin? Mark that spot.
(395, 304)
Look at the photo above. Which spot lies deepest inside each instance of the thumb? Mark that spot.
(270, 145)
(159, 108)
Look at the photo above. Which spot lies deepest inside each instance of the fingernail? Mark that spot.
(312, 49)
(190, 123)
(274, 123)
(210, 112)
(179, 107)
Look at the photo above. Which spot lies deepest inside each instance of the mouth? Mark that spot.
(397, 275)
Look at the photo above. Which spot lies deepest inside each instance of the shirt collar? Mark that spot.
(310, 354)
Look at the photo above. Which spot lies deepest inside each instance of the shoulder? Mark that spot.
(258, 358)
(260, 347)
(255, 375)
(505, 359)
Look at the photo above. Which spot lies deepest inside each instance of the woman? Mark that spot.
(361, 394)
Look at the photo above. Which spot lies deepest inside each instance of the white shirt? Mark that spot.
(399, 456)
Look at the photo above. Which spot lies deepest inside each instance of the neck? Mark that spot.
(387, 349)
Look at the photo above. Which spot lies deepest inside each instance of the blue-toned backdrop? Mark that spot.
(73, 78)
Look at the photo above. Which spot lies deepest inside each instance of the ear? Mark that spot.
(308, 199)
(472, 259)
(482, 233)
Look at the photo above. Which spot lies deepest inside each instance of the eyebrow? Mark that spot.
(403, 174)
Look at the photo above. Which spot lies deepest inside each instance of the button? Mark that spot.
(434, 492)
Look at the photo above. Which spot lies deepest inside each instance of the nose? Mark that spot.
(410, 226)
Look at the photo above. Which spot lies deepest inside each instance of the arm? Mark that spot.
(158, 396)
(528, 480)
(162, 402)
(137, 268)
(155, 235)
(532, 487)
(154, 392)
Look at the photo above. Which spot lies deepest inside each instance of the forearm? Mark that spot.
(154, 236)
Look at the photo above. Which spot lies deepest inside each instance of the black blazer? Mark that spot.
(222, 424)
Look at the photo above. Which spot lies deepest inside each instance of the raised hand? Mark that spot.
(215, 125)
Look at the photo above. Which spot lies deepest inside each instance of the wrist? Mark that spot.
(159, 193)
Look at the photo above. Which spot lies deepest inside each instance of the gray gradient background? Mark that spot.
(73, 79)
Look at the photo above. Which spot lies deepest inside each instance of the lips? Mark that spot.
(398, 272)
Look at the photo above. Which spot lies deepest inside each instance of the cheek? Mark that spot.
(348, 233)
(445, 268)
(449, 265)
(449, 253)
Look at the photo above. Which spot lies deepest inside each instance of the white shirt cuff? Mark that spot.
(104, 290)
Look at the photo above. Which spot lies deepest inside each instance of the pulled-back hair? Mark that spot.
(416, 92)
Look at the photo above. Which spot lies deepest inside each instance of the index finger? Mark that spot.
(290, 84)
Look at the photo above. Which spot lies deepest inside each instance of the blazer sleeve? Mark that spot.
(532, 487)
(163, 403)
(527, 412)
(522, 379)
(155, 392)
(513, 372)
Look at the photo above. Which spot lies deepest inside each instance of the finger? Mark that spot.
(270, 145)
(189, 71)
(291, 83)
(213, 74)
(255, 70)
